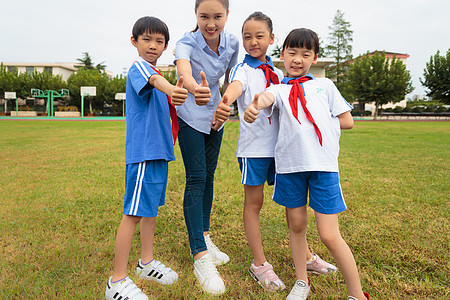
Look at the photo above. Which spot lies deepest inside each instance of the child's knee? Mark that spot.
(298, 225)
(330, 238)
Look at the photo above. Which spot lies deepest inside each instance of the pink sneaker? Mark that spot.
(353, 298)
(319, 266)
(266, 277)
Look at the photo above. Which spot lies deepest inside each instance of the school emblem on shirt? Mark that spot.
(318, 90)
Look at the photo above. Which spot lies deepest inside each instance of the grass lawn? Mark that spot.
(61, 194)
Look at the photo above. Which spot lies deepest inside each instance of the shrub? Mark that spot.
(356, 113)
(417, 109)
(440, 109)
(406, 109)
(429, 109)
(398, 109)
(367, 113)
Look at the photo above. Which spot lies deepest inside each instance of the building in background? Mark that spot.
(63, 69)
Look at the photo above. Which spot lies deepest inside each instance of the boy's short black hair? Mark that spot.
(302, 38)
(150, 25)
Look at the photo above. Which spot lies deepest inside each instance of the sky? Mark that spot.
(50, 31)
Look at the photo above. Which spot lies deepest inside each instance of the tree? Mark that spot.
(114, 86)
(88, 77)
(276, 52)
(437, 77)
(339, 48)
(378, 79)
(88, 63)
(23, 83)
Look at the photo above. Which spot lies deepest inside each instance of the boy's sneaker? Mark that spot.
(156, 271)
(266, 277)
(319, 266)
(218, 257)
(124, 289)
(353, 298)
(300, 291)
(207, 275)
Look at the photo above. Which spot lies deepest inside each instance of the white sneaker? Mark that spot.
(207, 275)
(124, 289)
(156, 271)
(218, 257)
(300, 291)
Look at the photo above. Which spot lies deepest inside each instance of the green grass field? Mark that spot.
(61, 194)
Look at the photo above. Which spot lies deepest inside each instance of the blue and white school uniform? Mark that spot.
(256, 140)
(192, 46)
(298, 149)
(149, 143)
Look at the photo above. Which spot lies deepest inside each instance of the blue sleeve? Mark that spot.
(184, 48)
(140, 72)
(235, 47)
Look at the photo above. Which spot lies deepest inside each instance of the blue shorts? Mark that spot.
(145, 188)
(256, 171)
(325, 194)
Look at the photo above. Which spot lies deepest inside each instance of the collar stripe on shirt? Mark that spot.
(145, 73)
(233, 72)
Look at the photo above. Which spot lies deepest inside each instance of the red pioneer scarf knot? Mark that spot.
(297, 92)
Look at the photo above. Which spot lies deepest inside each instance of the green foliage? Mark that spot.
(424, 103)
(398, 109)
(171, 76)
(89, 77)
(441, 109)
(9, 81)
(339, 47)
(23, 83)
(378, 79)
(276, 52)
(406, 109)
(88, 63)
(437, 77)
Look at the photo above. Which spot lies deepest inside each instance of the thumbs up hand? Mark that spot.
(252, 111)
(179, 94)
(223, 110)
(202, 91)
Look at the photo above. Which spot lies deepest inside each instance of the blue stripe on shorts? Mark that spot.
(256, 171)
(145, 188)
(325, 194)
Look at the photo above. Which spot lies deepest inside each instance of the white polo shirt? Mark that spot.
(298, 148)
(259, 138)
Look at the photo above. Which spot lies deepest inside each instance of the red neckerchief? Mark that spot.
(271, 76)
(173, 114)
(297, 92)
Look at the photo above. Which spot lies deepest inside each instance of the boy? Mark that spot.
(148, 149)
(306, 156)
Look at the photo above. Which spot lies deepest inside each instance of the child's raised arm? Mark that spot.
(261, 101)
(233, 91)
(201, 91)
(177, 93)
(346, 120)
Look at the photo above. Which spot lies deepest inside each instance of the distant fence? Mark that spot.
(416, 116)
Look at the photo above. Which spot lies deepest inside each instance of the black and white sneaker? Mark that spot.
(124, 289)
(156, 271)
